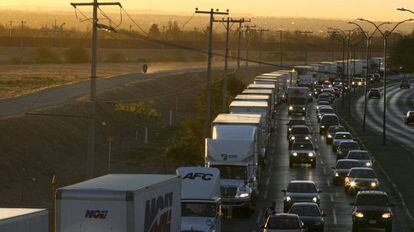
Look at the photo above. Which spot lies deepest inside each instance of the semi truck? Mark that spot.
(253, 107)
(271, 87)
(24, 220)
(297, 100)
(120, 202)
(266, 92)
(200, 199)
(234, 150)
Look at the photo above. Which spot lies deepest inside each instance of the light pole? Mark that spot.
(306, 44)
(385, 35)
(368, 36)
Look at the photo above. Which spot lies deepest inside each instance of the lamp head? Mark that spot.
(402, 9)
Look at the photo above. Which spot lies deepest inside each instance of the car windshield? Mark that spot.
(232, 172)
(331, 119)
(282, 223)
(301, 188)
(191, 209)
(326, 110)
(347, 164)
(343, 136)
(323, 97)
(300, 131)
(323, 103)
(358, 155)
(305, 210)
(302, 146)
(349, 146)
(372, 199)
(362, 173)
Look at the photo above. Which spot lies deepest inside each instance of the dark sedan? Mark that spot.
(374, 93)
(345, 147)
(341, 170)
(409, 117)
(310, 214)
(404, 84)
(330, 134)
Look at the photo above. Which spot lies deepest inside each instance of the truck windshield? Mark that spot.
(196, 209)
(232, 172)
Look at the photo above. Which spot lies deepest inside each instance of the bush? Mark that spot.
(15, 59)
(45, 55)
(116, 57)
(76, 54)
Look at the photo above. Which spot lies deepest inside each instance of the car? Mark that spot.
(300, 191)
(302, 153)
(344, 147)
(341, 170)
(341, 137)
(293, 122)
(326, 121)
(374, 93)
(405, 84)
(362, 156)
(310, 214)
(324, 97)
(324, 110)
(322, 103)
(358, 82)
(283, 222)
(409, 117)
(299, 132)
(332, 130)
(361, 178)
(372, 209)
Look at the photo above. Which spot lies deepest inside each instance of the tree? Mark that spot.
(154, 31)
(402, 53)
(173, 30)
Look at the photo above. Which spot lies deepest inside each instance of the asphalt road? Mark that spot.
(334, 202)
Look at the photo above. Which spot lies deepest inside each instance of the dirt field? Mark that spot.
(34, 148)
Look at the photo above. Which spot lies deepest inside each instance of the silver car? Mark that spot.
(362, 156)
(341, 137)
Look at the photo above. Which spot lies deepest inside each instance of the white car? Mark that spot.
(341, 137)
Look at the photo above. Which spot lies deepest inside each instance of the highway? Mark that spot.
(334, 202)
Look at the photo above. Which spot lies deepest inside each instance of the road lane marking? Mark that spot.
(321, 161)
(331, 197)
(268, 181)
(328, 183)
(259, 217)
(335, 220)
(324, 170)
(265, 195)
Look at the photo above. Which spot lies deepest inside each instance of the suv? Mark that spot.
(404, 84)
(341, 170)
(310, 214)
(300, 191)
(302, 152)
(374, 93)
(299, 132)
(327, 120)
(344, 147)
(294, 122)
(372, 209)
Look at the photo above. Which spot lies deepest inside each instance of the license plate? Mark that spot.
(372, 222)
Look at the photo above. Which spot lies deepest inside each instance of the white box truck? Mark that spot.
(267, 92)
(121, 202)
(233, 149)
(297, 100)
(24, 220)
(200, 199)
(253, 107)
(271, 87)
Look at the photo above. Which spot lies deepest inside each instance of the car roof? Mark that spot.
(345, 142)
(329, 115)
(347, 160)
(362, 168)
(284, 215)
(372, 192)
(359, 151)
(306, 204)
(302, 141)
(301, 182)
(342, 133)
(300, 126)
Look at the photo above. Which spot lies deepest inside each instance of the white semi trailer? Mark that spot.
(24, 220)
(121, 202)
(200, 199)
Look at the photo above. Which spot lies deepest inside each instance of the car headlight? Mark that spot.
(290, 107)
(359, 214)
(322, 126)
(368, 164)
(303, 108)
(307, 137)
(310, 154)
(329, 136)
(292, 138)
(295, 154)
(353, 83)
(352, 184)
(290, 129)
(374, 184)
(386, 215)
(315, 199)
(336, 174)
(288, 198)
(244, 195)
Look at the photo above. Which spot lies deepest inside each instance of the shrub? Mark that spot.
(45, 55)
(76, 54)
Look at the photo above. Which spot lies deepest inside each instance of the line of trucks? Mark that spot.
(196, 198)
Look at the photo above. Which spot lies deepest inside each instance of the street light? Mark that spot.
(385, 35)
(368, 37)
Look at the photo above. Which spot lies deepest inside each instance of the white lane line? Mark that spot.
(324, 170)
(335, 220)
(268, 181)
(328, 183)
(321, 162)
(331, 197)
(265, 195)
(259, 217)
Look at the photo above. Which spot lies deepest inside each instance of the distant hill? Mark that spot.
(186, 22)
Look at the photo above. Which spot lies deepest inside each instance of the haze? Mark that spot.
(346, 9)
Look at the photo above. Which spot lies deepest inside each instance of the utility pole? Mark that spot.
(247, 32)
(210, 55)
(306, 44)
(92, 98)
(261, 32)
(22, 23)
(10, 28)
(240, 32)
(281, 46)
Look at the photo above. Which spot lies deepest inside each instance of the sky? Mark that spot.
(379, 10)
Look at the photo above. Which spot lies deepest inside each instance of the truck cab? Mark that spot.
(200, 199)
(297, 100)
(233, 149)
